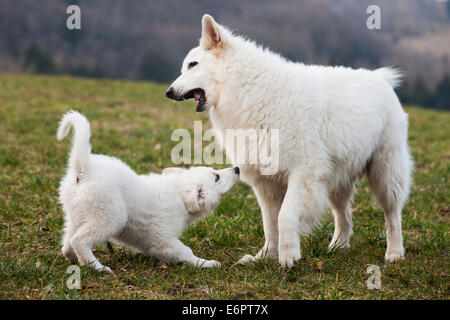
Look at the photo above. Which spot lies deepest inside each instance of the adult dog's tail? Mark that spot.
(391, 75)
(81, 149)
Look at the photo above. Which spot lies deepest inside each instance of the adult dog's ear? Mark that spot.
(194, 199)
(172, 170)
(211, 38)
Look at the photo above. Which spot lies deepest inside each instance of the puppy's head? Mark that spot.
(202, 188)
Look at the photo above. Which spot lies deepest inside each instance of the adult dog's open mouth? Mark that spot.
(199, 95)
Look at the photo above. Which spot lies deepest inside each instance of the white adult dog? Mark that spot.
(335, 124)
(104, 200)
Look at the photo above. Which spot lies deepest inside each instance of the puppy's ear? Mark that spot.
(211, 38)
(172, 170)
(194, 199)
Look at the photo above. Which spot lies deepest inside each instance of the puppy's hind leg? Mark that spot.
(101, 225)
(67, 249)
(97, 231)
(82, 242)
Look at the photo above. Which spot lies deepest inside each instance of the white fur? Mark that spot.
(104, 200)
(335, 124)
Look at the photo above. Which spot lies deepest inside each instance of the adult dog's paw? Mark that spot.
(393, 257)
(288, 258)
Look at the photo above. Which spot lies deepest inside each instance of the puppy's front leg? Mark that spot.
(175, 251)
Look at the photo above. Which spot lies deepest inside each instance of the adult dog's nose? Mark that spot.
(170, 93)
(236, 170)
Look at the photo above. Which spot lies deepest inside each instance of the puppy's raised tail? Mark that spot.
(81, 149)
(392, 76)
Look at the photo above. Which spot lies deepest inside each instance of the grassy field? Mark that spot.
(134, 121)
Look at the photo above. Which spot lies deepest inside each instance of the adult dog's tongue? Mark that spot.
(197, 95)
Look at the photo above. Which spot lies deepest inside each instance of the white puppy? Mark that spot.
(103, 200)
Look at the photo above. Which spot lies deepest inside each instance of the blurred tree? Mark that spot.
(85, 71)
(39, 61)
(155, 67)
(442, 94)
(448, 9)
(403, 92)
(73, 37)
(420, 95)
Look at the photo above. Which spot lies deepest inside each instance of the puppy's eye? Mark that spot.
(217, 177)
(192, 64)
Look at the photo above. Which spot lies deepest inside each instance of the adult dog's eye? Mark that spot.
(192, 64)
(217, 177)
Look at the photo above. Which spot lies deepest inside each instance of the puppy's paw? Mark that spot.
(394, 257)
(105, 270)
(69, 254)
(209, 264)
(248, 258)
(288, 258)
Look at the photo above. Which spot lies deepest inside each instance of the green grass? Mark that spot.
(129, 120)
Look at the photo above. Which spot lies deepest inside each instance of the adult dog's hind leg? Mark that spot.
(270, 203)
(340, 201)
(390, 179)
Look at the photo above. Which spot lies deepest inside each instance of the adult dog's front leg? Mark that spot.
(270, 204)
(301, 209)
(176, 251)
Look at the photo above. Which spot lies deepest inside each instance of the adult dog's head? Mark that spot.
(200, 71)
(202, 188)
